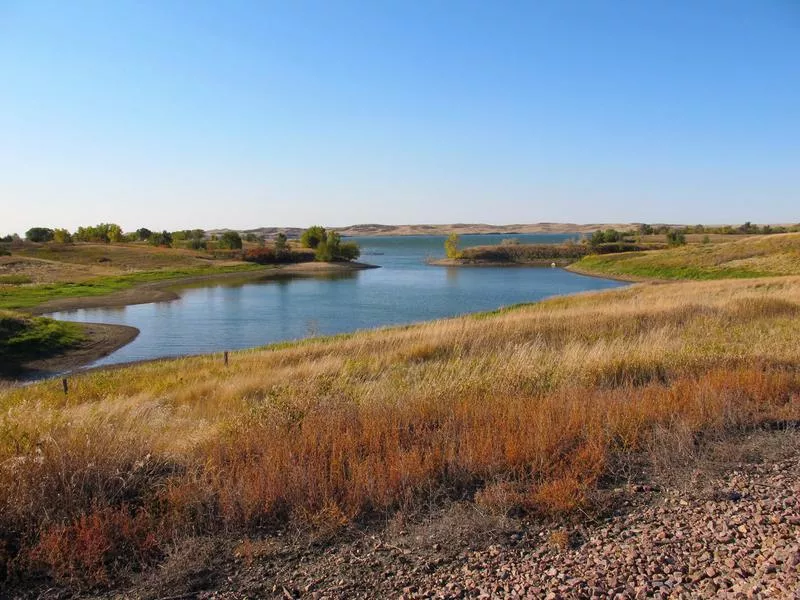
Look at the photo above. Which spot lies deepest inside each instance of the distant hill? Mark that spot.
(375, 229)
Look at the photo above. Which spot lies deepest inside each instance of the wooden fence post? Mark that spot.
(65, 385)
(225, 357)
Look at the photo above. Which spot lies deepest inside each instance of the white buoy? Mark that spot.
(553, 265)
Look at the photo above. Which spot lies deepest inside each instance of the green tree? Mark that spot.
(451, 246)
(313, 236)
(114, 233)
(281, 242)
(349, 251)
(39, 234)
(143, 233)
(62, 236)
(676, 237)
(230, 240)
(161, 239)
(596, 239)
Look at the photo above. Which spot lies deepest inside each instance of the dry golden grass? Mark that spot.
(527, 408)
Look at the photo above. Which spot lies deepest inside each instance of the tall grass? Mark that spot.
(529, 407)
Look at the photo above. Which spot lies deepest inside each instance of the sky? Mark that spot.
(173, 114)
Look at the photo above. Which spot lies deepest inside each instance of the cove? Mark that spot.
(230, 316)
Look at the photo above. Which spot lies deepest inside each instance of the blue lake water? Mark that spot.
(229, 316)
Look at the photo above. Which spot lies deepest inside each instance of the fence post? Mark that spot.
(225, 357)
(65, 385)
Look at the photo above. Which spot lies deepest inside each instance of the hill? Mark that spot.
(376, 229)
(756, 256)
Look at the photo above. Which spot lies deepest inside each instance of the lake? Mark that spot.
(228, 316)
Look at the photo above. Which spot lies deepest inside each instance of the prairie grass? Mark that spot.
(755, 256)
(529, 408)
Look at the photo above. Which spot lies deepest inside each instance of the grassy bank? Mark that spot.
(758, 256)
(27, 296)
(24, 338)
(532, 408)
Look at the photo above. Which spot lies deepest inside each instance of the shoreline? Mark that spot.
(564, 264)
(461, 262)
(626, 278)
(101, 340)
(163, 291)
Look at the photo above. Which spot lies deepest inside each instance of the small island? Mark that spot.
(510, 252)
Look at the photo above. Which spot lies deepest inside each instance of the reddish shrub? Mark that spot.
(92, 548)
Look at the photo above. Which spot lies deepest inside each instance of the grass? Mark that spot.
(25, 338)
(14, 279)
(139, 256)
(28, 296)
(533, 407)
(756, 256)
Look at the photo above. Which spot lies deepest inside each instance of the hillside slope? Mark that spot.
(757, 256)
(526, 409)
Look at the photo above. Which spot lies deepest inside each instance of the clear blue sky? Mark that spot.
(182, 113)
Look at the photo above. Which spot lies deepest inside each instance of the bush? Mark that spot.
(332, 249)
(525, 252)
(39, 234)
(103, 232)
(451, 246)
(324, 252)
(281, 243)
(62, 236)
(143, 234)
(262, 256)
(313, 236)
(161, 239)
(230, 240)
(349, 251)
(676, 237)
(195, 244)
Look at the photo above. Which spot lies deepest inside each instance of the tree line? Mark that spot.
(326, 245)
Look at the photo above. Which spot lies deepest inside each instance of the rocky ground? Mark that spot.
(724, 525)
